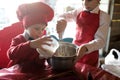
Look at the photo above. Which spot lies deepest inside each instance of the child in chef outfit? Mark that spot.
(91, 30)
(23, 47)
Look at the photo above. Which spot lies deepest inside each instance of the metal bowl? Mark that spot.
(62, 63)
(64, 58)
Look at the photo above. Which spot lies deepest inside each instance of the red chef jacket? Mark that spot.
(26, 57)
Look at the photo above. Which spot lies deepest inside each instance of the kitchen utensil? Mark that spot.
(60, 35)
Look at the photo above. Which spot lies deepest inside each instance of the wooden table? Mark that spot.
(53, 75)
(47, 74)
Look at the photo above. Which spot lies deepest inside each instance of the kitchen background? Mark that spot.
(8, 16)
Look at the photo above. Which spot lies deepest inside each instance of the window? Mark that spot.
(8, 13)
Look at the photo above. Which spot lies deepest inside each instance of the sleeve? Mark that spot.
(20, 51)
(100, 37)
(71, 15)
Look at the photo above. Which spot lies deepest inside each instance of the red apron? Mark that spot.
(87, 25)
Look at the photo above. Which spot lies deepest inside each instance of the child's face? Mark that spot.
(90, 4)
(36, 31)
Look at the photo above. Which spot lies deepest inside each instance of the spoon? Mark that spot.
(60, 35)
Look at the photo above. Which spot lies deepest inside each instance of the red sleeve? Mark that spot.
(6, 35)
(20, 50)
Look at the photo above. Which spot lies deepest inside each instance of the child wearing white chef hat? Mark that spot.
(23, 47)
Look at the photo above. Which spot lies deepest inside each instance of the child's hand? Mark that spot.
(37, 43)
(61, 25)
(81, 51)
